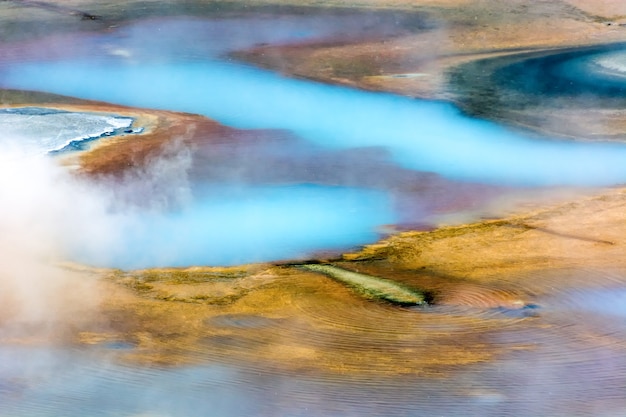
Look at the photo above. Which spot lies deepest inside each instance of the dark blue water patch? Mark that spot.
(563, 74)
(535, 91)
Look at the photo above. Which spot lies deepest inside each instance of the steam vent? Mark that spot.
(273, 208)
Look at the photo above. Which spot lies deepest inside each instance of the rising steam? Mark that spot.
(49, 215)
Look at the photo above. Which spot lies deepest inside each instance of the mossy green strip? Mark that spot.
(370, 286)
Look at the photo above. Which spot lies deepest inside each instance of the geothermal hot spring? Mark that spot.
(164, 216)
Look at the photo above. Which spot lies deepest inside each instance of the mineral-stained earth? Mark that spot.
(528, 283)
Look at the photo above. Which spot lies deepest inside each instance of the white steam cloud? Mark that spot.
(37, 222)
(48, 215)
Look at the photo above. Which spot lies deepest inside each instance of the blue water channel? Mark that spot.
(190, 75)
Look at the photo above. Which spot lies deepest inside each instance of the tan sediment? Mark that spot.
(284, 321)
(585, 233)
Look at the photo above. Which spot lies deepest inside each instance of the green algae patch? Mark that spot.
(369, 285)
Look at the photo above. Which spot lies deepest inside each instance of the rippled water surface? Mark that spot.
(575, 368)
